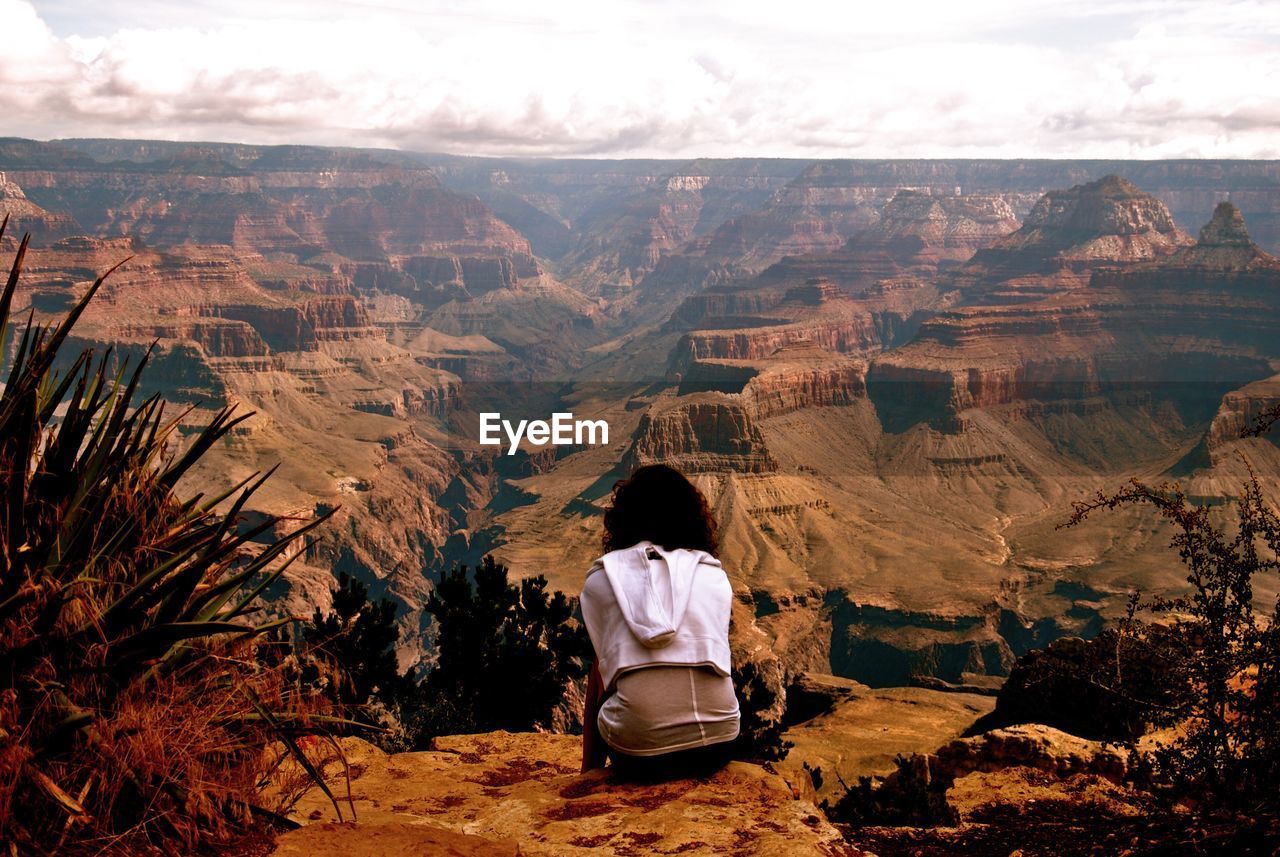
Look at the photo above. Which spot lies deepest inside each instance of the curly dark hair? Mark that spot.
(657, 503)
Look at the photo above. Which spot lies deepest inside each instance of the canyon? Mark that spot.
(890, 378)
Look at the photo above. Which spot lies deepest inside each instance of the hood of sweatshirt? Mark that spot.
(652, 587)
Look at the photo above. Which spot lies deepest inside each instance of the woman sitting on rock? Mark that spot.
(660, 700)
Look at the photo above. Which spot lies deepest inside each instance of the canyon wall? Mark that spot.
(890, 377)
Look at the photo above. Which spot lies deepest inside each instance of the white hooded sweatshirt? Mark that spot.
(645, 606)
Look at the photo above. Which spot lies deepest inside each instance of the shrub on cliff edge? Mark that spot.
(1226, 715)
(357, 639)
(1111, 688)
(506, 653)
(134, 715)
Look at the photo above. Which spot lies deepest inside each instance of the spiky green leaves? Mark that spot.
(123, 605)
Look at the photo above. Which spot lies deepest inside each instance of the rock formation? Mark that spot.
(860, 298)
(522, 793)
(1067, 235)
(1042, 748)
(1097, 294)
(697, 433)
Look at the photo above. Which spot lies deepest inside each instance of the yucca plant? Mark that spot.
(135, 711)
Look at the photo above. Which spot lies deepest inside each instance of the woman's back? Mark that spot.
(657, 607)
(662, 644)
(644, 606)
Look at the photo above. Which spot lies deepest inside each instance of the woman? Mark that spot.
(660, 700)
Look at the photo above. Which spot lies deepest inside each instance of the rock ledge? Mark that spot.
(503, 793)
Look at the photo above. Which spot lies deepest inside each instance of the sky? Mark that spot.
(686, 78)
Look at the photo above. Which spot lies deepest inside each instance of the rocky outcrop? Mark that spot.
(216, 337)
(700, 433)
(837, 301)
(523, 793)
(856, 334)
(908, 392)
(435, 279)
(756, 320)
(778, 342)
(726, 308)
(792, 379)
(795, 386)
(1034, 746)
(884, 647)
(1224, 259)
(438, 401)
(1225, 229)
(298, 327)
(1238, 413)
(938, 225)
(842, 730)
(1099, 211)
(336, 314)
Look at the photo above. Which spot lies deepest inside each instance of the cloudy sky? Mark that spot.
(665, 78)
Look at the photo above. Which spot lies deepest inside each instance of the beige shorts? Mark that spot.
(663, 709)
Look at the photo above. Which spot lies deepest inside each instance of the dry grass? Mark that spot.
(140, 696)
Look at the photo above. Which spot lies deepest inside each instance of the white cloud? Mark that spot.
(1133, 78)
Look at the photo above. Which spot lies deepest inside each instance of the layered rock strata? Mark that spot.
(1126, 308)
(704, 432)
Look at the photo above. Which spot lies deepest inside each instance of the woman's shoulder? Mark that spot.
(594, 582)
(694, 554)
(617, 558)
